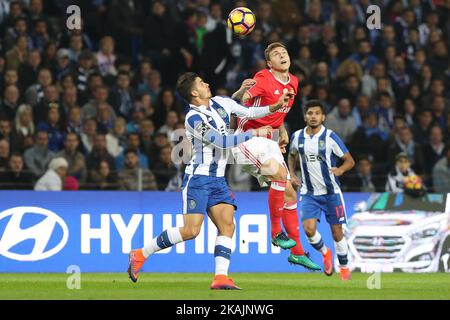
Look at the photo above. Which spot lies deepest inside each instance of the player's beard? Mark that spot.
(315, 125)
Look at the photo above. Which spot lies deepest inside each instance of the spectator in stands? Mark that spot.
(403, 142)
(157, 35)
(438, 59)
(433, 150)
(116, 139)
(159, 140)
(99, 153)
(53, 127)
(68, 101)
(169, 126)
(102, 178)
(437, 88)
(105, 117)
(88, 135)
(441, 173)
(438, 109)
(409, 110)
(166, 102)
(164, 169)
(402, 170)
(370, 140)
(100, 95)
(364, 56)
(49, 55)
(75, 47)
(71, 184)
(4, 154)
(153, 85)
(121, 97)
(75, 159)
(84, 69)
(127, 31)
(63, 64)
(350, 89)
(7, 133)
(38, 156)
(361, 109)
(16, 178)
(133, 143)
(40, 35)
(35, 93)
(10, 102)
(385, 110)
(53, 179)
(24, 127)
(341, 120)
(15, 11)
(132, 177)
(364, 179)
(184, 39)
(29, 70)
(73, 123)
(106, 57)
(422, 127)
(140, 79)
(10, 78)
(146, 132)
(18, 53)
(50, 100)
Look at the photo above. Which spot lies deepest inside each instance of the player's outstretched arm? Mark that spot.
(259, 112)
(205, 133)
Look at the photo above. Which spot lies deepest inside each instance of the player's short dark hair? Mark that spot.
(185, 83)
(271, 47)
(314, 103)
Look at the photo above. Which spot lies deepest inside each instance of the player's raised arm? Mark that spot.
(259, 112)
(204, 132)
(241, 95)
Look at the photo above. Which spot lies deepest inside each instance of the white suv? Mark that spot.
(393, 232)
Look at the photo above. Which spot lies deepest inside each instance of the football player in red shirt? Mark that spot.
(264, 160)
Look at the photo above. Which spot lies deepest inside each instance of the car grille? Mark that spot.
(378, 247)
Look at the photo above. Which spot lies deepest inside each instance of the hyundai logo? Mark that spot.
(41, 233)
(378, 241)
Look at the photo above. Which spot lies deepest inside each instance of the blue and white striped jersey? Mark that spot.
(318, 153)
(208, 130)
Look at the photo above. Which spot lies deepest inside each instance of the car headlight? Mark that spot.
(427, 232)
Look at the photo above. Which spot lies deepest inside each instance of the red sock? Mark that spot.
(291, 224)
(276, 205)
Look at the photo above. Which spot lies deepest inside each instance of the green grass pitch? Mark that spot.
(193, 286)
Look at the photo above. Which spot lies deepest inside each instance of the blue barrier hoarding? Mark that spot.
(49, 231)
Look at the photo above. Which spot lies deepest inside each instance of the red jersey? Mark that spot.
(267, 91)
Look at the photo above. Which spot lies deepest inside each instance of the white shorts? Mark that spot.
(256, 151)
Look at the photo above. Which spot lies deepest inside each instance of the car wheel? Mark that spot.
(444, 258)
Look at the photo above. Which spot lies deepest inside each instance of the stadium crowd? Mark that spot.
(96, 108)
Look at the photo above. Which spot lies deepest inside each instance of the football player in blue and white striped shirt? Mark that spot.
(318, 149)
(204, 188)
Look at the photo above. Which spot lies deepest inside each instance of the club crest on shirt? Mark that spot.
(222, 112)
(321, 145)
